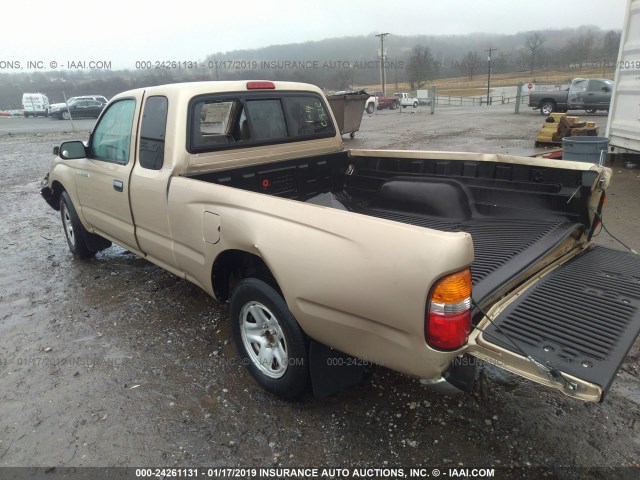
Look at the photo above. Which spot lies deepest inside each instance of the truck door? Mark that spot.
(102, 179)
(598, 95)
(571, 328)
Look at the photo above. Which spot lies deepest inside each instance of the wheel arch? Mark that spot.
(231, 266)
(56, 191)
(547, 100)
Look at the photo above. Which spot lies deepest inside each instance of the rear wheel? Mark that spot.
(66, 115)
(394, 105)
(269, 339)
(591, 110)
(415, 104)
(547, 108)
(370, 108)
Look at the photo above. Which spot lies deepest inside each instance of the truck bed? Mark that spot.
(516, 214)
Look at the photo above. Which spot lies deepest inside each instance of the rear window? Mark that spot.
(256, 119)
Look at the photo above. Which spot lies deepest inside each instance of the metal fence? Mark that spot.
(478, 101)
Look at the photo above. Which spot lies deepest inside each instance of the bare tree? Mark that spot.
(579, 48)
(533, 44)
(502, 61)
(422, 66)
(470, 64)
(611, 44)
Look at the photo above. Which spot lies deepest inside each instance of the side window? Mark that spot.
(111, 138)
(266, 119)
(596, 86)
(307, 116)
(152, 133)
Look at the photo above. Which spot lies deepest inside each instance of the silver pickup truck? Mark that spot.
(332, 258)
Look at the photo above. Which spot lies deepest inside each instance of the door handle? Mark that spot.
(118, 186)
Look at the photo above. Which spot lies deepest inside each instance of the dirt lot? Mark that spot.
(114, 362)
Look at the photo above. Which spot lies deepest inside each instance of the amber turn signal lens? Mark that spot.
(453, 288)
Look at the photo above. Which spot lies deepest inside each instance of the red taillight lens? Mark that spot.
(260, 86)
(449, 312)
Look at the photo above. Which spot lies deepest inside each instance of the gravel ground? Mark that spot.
(115, 362)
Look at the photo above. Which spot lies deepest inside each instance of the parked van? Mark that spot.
(35, 104)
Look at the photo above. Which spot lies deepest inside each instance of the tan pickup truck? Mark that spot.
(333, 258)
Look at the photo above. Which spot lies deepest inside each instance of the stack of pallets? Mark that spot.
(559, 125)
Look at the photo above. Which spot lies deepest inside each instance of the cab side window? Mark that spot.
(111, 138)
(597, 86)
(152, 132)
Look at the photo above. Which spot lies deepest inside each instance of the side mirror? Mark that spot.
(72, 150)
(56, 150)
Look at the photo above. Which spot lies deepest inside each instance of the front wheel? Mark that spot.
(394, 105)
(415, 104)
(66, 115)
(74, 231)
(269, 339)
(591, 110)
(370, 108)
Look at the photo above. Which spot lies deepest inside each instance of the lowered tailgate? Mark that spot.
(578, 322)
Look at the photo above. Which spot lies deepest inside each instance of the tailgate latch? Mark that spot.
(555, 376)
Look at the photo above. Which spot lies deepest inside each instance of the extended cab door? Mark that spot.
(102, 179)
(571, 328)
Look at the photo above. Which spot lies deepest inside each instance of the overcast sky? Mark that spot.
(123, 31)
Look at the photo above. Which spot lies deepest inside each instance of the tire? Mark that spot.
(269, 339)
(547, 108)
(591, 110)
(394, 105)
(74, 231)
(415, 104)
(370, 108)
(66, 115)
(26, 115)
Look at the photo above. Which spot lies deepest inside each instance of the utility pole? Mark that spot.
(382, 79)
(490, 50)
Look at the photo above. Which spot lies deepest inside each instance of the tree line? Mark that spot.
(417, 59)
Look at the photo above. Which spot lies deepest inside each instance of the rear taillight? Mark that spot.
(449, 312)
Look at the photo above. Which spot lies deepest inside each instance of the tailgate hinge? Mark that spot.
(555, 376)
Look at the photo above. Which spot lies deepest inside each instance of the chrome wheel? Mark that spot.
(263, 339)
(66, 115)
(547, 108)
(68, 225)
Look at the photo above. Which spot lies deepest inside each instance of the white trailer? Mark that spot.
(423, 97)
(623, 125)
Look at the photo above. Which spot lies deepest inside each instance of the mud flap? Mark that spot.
(332, 370)
(572, 328)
